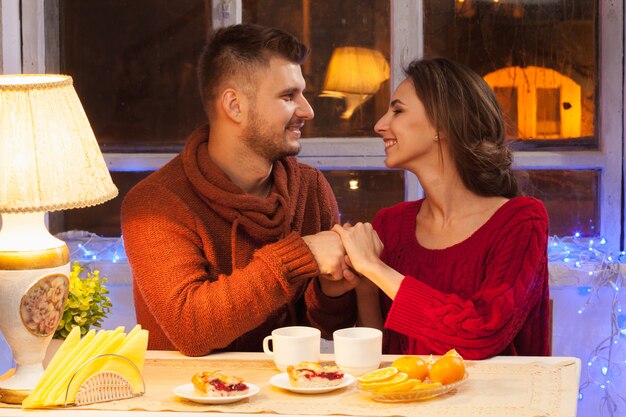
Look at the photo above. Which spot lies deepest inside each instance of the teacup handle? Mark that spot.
(266, 345)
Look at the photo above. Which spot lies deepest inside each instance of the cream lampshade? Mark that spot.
(49, 160)
(354, 74)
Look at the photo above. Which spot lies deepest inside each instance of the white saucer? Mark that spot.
(187, 391)
(282, 381)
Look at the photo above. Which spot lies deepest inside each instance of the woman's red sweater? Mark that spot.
(485, 296)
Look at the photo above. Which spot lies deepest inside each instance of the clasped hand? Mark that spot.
(343, 255)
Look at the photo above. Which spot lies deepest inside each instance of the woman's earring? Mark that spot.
(436, 137)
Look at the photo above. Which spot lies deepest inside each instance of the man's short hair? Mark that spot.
(237, 52)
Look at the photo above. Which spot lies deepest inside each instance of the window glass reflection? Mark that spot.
(362, 193)
(103, 219)
(539, 57)
(347, 73)
(570, 197)
(133, 65)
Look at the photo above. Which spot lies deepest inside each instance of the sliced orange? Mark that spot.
(452, 352)
(425, 386)
(378, 375)
(396, 379)
(407, 385)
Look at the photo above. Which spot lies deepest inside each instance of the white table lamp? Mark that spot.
(49, 160)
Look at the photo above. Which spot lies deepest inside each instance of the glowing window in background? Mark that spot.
(547, 103)
(537, 45)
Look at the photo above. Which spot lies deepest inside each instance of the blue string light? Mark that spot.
(88, 247)
(603, 270)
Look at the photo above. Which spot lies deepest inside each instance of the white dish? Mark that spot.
(187, 391)
(282, 381)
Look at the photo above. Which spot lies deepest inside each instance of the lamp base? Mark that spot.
(31, 303)
(25, 377)
(34, 285)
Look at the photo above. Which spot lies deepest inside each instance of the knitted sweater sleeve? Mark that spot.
(328, 313)
(177, 275)
(484, 324)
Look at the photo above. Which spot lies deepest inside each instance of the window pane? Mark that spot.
(103, 219)
(360, 194)
(347, 73)
(570, 196)
(133, 64)
(539, 57)
(548, 115)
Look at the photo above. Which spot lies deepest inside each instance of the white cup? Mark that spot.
(358, 350)
(294, 344)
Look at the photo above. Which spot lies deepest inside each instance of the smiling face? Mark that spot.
(277, 111)
(408, 134)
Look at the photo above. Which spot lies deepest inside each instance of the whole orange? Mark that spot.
(447, 369)
(414, 366)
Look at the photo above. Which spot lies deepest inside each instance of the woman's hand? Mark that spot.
(363, 248)
(362, 245)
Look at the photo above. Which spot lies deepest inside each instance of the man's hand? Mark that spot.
(330, 256)
(334, 288)
(328, 252)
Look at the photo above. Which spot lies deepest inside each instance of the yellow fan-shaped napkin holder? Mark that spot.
(105, 384)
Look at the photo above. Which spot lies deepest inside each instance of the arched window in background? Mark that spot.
(539, 103)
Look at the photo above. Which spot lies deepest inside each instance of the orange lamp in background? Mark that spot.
(354, 74)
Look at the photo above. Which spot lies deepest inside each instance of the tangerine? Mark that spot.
(447, 369)
(414, 366)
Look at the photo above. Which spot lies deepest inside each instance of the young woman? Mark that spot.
(465, 267)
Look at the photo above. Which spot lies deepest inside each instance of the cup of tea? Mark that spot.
(358, 350)
(293, 344)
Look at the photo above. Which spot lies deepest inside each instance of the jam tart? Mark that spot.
(314, 375)
(217, 384)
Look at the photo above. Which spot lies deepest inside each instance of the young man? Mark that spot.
(231, 239)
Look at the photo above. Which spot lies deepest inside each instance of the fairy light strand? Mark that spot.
(590, 258)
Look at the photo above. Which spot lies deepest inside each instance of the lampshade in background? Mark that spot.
(355, 74)
(49, 160)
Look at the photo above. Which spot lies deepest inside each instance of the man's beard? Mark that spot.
(266, 143)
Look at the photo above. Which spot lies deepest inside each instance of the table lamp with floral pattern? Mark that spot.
(49, 160)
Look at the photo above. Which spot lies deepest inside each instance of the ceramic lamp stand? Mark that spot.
(34, 286)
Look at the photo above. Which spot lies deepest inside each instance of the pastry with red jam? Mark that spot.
(217, 384)
(314, 375)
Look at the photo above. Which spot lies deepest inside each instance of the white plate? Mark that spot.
(282, 381)
(187, 391)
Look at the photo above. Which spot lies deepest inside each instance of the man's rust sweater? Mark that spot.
(215, 268)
